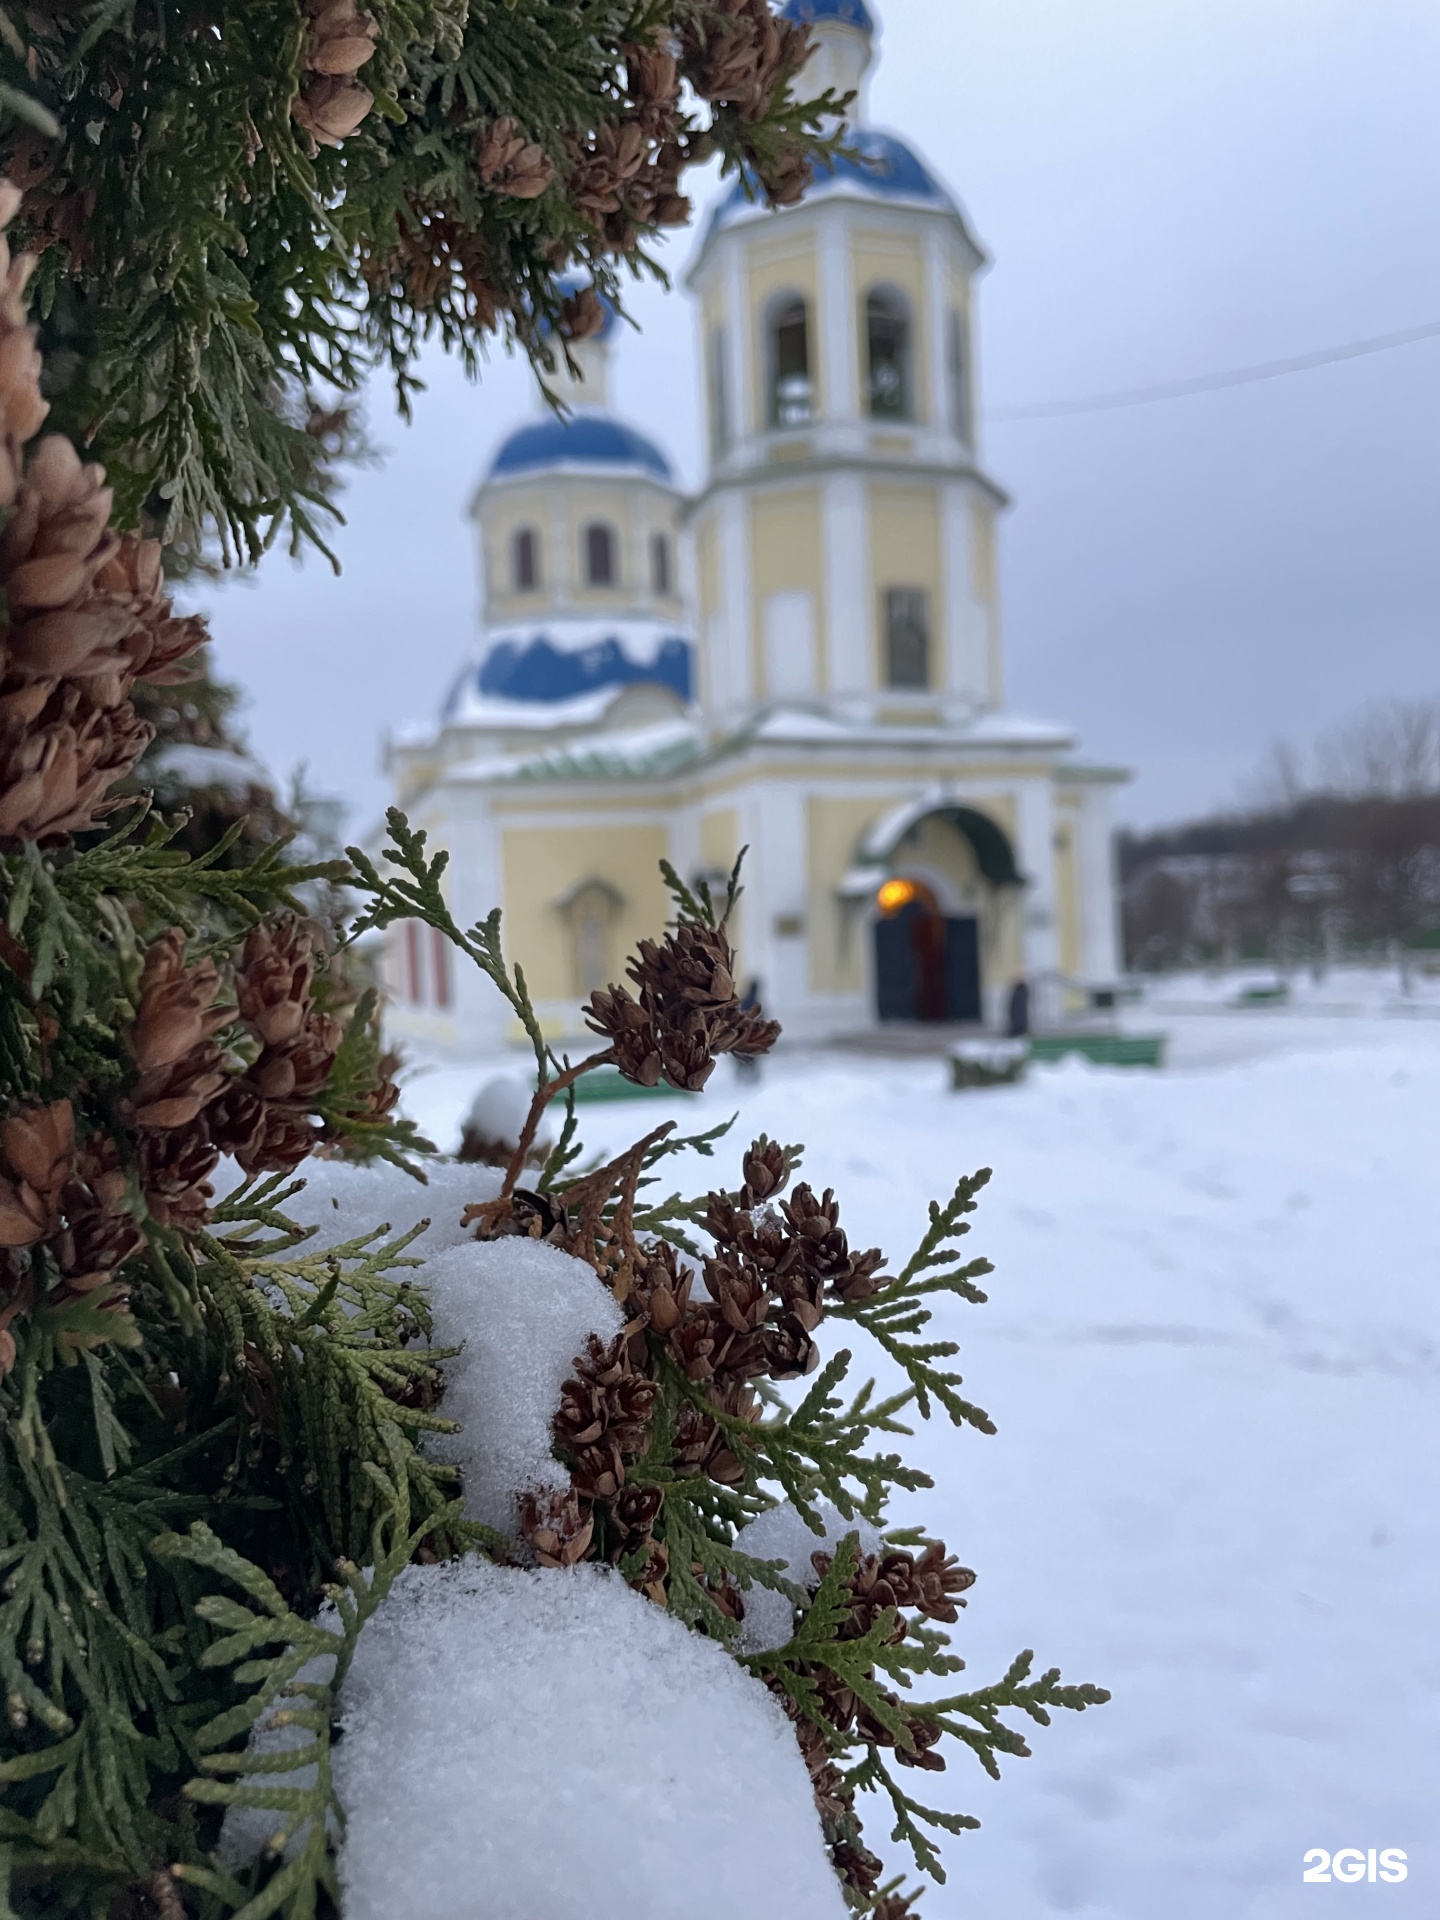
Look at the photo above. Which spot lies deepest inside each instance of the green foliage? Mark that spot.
(277, 1394)
(893, 1316)
(203, 1498)
(212, 282)
(296, 1665)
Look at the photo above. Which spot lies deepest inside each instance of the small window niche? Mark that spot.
(906, 614)
(525, 560)
(600, 569)
(662, 568)
(590, 910)
(792, 393)
(957, 370)
(887, 336)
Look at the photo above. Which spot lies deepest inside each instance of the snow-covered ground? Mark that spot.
(1213, 1351)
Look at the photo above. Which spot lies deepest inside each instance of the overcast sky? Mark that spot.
(1168, 188)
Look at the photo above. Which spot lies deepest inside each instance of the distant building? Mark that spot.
(806, 658)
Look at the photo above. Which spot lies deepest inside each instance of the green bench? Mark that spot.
(1105, 1049)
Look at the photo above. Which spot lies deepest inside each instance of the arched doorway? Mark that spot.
(927, 963)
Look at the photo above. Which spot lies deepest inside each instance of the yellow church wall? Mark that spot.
(895, 260)
(504, 517)
(833, 829)
(771, 272)
(719, 839)
(905, 552)
(719, 844)
(946, 852)
(617, 506)
(786, 552)
(634, 514)
(541, 865)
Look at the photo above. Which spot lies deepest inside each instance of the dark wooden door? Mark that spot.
(927, 966)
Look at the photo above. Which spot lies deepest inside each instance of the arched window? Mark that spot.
(792, 396)
(887, 334)
(907, 637)
(660, 562)
(599, 555)
(590, 908)
(957, 367)
(525, 561)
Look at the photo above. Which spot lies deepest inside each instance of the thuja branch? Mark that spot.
(894, 1315)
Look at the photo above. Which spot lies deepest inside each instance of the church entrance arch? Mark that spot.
(942, 902)
(927, 963)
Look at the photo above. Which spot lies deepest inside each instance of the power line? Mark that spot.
(1212, 382)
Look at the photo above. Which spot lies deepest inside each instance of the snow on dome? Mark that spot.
(881, 166)
(553, 1746)
(848, 13)
(536, 668)
(584, 440)
(564, 659)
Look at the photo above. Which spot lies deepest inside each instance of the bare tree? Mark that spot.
(1391, 752)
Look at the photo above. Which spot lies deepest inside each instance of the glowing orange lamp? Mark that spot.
(895, 894)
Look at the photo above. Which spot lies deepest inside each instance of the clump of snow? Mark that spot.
(499, 1110)
(220, 769)
(782, 1534)
(520, 1310)
(343, 1201)
(551, 1746)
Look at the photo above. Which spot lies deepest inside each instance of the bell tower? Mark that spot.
(844, 539)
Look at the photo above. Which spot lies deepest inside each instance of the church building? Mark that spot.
(805, 659)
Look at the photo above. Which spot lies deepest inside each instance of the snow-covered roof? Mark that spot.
(587, 439)
(880, 167)
(849, 13)
(999, 730)
(646, 753)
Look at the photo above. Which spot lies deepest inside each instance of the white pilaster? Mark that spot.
(839, 359)
(1036, 857)
(737, 343)
(1099, 904)
(937, 330)
(847, 590)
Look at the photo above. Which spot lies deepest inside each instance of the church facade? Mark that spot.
(806, 659)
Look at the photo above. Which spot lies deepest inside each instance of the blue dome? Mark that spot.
(850, 13)
(585, 439)
(882, 165)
